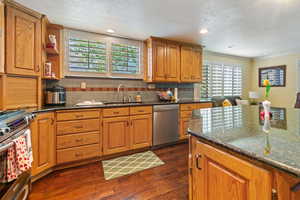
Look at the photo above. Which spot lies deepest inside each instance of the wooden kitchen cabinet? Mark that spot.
(163, 60)
(17, 92)
(191, 64)
(2, 37)
(215, 174)
(123, 133)
(186, 114)
(23, 41)
(116, 135)
(173, 62)
(43, 142)
(141, 131)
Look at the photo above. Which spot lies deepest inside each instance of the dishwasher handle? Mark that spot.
(162, 108)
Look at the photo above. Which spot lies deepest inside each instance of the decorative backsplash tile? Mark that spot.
(106, 89)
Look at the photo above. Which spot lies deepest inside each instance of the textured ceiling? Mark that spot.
(253, 27)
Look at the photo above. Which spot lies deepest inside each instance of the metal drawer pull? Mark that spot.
(116, 113)
(79, 126)
(77, 116)
(79, 140)
(141, 111)
(198, 157)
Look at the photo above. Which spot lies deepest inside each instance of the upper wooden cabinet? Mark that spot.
(216, 174)
(43, 142)
(170, 61)
(163, 64)
(191, 64)
(2, 37)
(23, 41)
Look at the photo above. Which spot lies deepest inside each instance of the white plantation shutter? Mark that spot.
(216, 80)
(206, 79)
(95, 55)
(221, 80)
(125, 59)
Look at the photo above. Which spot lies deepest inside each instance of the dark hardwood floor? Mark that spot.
(166, 182)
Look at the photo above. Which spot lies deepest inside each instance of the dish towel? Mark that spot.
(22, 155)
(12, 171)
(29, 146)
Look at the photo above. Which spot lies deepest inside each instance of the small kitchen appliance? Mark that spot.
(55, 96)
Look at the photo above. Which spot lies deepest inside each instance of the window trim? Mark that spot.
(108, 40)
(224, 64)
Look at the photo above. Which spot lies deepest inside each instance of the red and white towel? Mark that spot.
(19, 156)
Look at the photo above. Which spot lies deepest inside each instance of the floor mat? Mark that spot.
(130, 164)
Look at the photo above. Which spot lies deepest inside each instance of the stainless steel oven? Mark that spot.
(12, 125)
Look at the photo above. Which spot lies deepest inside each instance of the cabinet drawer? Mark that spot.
(186, 114)
(74, 140)
(115, 112)
(187, 107)
(77, 126)
(73, 115)
(78, 153)
(140, 110)
(202, 105)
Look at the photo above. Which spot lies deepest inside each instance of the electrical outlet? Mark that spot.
(83, 85)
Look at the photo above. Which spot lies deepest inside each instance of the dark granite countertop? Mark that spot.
(239, 129)
(112, 105)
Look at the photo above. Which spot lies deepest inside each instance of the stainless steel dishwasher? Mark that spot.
(165, 124)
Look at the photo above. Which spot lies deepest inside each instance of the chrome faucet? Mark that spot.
(123, 92)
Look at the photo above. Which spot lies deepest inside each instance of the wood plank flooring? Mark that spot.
(166, 182)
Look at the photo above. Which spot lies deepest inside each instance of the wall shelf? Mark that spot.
(52, 51)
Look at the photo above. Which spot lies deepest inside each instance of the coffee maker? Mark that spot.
(55, 96)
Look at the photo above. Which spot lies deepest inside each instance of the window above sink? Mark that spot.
(96, 55)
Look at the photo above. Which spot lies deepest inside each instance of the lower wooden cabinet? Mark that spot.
(43, 142)
(215, 174)
(78, 153)
(141, 131)
(116, 135)
(127, 133)
(184, 122)
(186, 114)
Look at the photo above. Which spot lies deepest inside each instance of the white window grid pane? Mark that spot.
(221, 80)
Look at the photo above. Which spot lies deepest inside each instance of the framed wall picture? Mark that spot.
(276, 75)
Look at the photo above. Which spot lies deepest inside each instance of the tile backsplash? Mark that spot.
(106, 89)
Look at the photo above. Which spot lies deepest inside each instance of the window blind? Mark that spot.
(125, 59)
(221, 80)
(87, 56)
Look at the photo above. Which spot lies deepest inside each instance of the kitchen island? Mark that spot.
(232, 158)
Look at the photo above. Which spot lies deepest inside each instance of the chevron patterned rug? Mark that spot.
(130, 164)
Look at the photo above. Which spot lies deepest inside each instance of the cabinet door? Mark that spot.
(141, 131)
(159, 60)
(219, 175)
(173, 62)
(197, 65)
(43, 143)
(186, 64)
(2, 37)
(184, 122)
(116, 135)
(23, 55)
